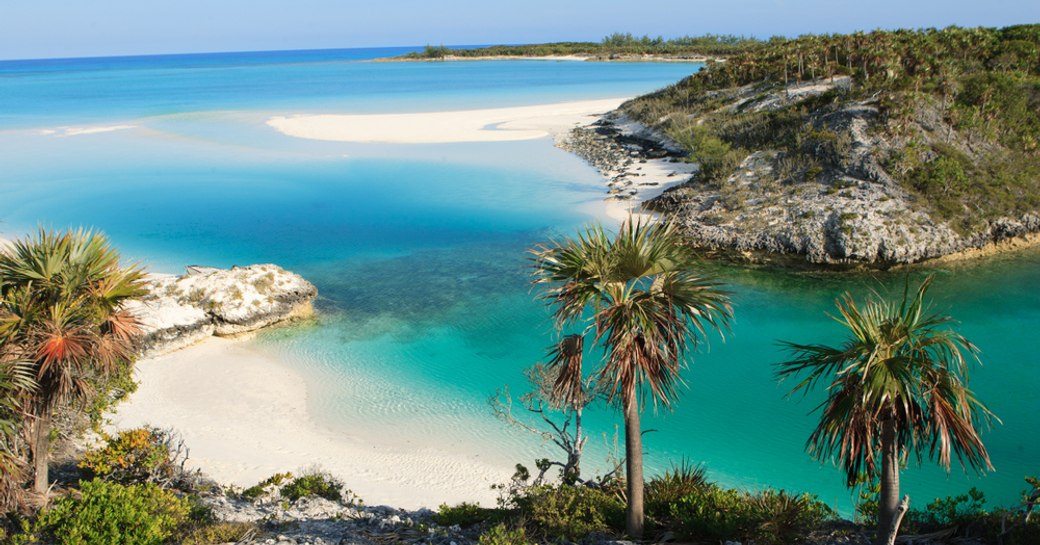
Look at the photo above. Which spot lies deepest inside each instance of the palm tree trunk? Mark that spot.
(633, 467)
(41, 450)
(888, 501)
(578, 444)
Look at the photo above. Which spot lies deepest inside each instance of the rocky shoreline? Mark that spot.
(857, 218)
(637, 163)
(179, 311)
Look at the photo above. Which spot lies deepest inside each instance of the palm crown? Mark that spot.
(61, 315)
(897, 385)
(898, 364)
(647, 304)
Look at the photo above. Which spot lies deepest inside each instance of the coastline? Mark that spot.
(244, 416)
(560, 58)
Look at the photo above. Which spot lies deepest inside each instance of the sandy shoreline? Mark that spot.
(244, 416)
(483, 125)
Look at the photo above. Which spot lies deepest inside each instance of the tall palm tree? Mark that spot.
(897, 384)
(61, 297)
(639, 298)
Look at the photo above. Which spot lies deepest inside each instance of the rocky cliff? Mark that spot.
(182, 310)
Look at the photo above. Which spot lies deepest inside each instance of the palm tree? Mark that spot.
(61, 297)
(898, 383)
(640, 300)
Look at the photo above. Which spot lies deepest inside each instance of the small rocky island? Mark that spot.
(182, 310)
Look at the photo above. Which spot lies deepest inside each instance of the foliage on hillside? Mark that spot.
(616, 44)
(958, 110)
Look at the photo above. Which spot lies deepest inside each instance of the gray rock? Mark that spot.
(853, 213)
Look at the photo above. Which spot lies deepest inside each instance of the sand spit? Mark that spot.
(485, 125)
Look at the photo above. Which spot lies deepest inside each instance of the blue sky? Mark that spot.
(66, 28)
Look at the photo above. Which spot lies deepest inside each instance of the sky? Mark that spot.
(86, 28)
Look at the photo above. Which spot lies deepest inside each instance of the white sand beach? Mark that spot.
(484, 125)
(244, 416)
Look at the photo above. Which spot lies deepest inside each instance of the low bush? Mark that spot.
(218, 532)
(712, 513)
(319, 484)
(108, 513)
(134, 456)
(770, 517)
(500, 534)
(265, 487)
(667, 488)
(780, 518)
(466, 514)
(571, 512)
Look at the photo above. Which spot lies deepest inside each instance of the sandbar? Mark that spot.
(479, 125)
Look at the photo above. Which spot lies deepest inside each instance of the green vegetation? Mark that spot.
(647, 305)
(62, 323)
(681, 502)
(613, 46)
(109, 513)
(958, 111)
(137, 455)
(319, 484)
(897, 384)
(265, 486)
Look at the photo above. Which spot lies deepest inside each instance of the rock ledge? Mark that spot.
(182, 310)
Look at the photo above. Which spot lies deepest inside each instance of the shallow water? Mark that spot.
(419, 251)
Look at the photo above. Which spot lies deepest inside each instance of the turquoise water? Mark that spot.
(419, 251)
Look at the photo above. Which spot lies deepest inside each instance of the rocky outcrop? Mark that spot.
(843, 207)
(182, 310)
(638, 163)
(314, 521)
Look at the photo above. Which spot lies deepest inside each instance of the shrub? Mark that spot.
(770, 517)
(317, 484)
(465, 514)
(711, 513)
(265, 486)
(219, 532)
(951, 510)
(571, 512)
(672, 485)
(500, 534)
(137, 456)
(780, 518)
(108, 392)
(107, 513)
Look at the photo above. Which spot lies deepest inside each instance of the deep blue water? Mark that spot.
(419, 251)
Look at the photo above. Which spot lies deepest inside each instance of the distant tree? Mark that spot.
(897, 384)
(61, 313)
(637, 295)
(436, 51)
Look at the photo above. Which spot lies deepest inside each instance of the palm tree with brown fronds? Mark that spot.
(639, 298)
(897, 384)
(61, 311)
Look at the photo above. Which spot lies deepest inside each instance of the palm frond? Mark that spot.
(897, 363)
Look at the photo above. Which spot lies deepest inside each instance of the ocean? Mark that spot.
(419, 252)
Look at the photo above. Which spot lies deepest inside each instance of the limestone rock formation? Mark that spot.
(182, 310)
